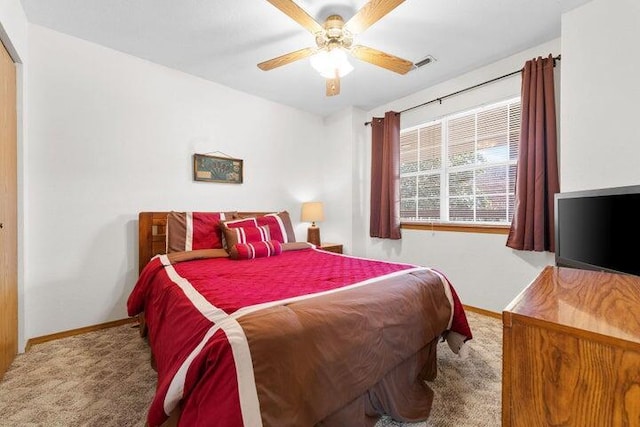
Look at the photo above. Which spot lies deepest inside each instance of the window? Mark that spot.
(461, 168)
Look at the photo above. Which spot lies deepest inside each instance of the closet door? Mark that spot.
(8, 213)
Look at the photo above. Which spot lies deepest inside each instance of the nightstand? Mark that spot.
(331, 247)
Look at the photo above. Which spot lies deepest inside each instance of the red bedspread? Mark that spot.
(193, 309)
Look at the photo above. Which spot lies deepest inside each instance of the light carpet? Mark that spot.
(104, 379)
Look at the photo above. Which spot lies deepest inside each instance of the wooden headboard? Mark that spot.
(152, 234)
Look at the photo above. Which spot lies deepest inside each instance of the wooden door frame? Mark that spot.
(14, 53)
(9, 316)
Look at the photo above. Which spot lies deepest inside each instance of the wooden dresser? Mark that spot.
(571, 351)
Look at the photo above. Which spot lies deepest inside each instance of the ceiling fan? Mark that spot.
(335, 38)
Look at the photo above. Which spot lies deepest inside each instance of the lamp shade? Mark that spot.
(312, 212)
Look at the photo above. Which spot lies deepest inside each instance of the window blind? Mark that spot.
(461, 168)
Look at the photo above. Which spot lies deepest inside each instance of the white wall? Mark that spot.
(112, 135)
(601, 93)
(336, 158)
(13, 29)
(485, 272)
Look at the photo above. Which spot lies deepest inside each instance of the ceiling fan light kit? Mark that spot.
(335, 38)
(330, 62)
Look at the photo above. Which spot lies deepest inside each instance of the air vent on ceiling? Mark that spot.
(427, 60)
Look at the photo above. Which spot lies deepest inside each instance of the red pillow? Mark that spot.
(255, 250)
(245, 235)
(246, 222)
(279, 226)
(188, 231)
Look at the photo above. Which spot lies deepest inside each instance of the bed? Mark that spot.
(297, 337)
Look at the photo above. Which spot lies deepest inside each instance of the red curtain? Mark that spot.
(532, 227)
(385, 176)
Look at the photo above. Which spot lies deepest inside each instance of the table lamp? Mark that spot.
(312, 212)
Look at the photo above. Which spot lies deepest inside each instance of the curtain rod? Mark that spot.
(439, 99)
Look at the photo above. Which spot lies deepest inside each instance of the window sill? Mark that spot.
(465, 228)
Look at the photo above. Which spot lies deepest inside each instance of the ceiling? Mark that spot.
(222, 41)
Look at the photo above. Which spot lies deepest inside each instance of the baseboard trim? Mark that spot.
(58, 335)
(64, 334)
(482, 311)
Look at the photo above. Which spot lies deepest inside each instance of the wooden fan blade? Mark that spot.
(286, 59)
(381, 59)
(370, 14)
(298, 14)
(333, 86)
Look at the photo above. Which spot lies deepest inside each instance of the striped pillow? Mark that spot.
(279, 225)
(245, 222)
(188, 231)
(237, 235)
(255, 250)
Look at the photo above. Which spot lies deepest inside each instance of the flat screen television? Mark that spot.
(599, 229)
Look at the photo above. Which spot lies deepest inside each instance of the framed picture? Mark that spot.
(217, 169)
